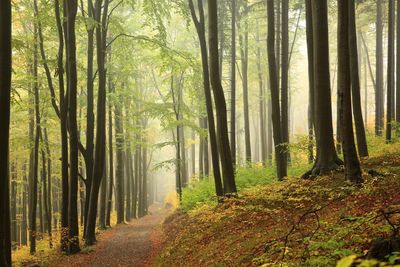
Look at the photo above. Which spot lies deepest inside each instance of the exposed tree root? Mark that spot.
(323, 169)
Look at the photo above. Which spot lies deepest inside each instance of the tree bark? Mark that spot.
(210, 122)
(274, 88)
(220, 104)
(233, 83)
(390, 72)
(327, 159)
(355, 83)
(73, 246)
(285, 79)
(379, 112)
(5, 88)
(63, 129)
(351, 161)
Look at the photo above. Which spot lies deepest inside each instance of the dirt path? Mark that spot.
(132, 244)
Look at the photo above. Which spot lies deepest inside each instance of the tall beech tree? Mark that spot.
(390, 71)
(285, 77)
(73, 225)
(326, 158)
(101, 16)
(199, 22)
(233, 81)
(274, 87)
(5, 89)
(220, 104)
(379, 95)
(351, 161)
(355, 83)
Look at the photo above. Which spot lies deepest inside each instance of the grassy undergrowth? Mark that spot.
(291, 223)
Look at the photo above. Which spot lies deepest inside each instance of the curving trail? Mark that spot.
(133, 244)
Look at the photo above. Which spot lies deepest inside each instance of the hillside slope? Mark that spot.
(292, 223)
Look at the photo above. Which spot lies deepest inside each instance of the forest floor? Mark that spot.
(131, 244)
(291, 223)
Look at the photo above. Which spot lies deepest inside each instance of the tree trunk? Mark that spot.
(63, 128)
(345, 75)
(73, 127)
(49, 184)
(110, 156)
(119, 141)
(355, 84)
(262, 98)
(327, 159)
(285, 79)
(233, 83)
(35, 159)
(274, 87)
(89, 151)
(5, 88)
(398, 71)
(379, 112)
(220, 104)
(244, 52)
(200, 27)
(390, 72)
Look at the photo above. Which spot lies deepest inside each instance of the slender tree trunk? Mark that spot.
(35, 161)
(220, 104)
(13, 203)
(73, 127)
(355, 84)
(285, 79)
(201, 151)
(63, 128)
(101, 16)
(50, 184)
(5, 88)
(119, 141)
(103, 199)
(345, 74)
(210, 123)
(262, 98)
(244, 51)
(193, 153)
(110, 157)
(233, 83)
(273, 77)
(379, 112)
(398, 71)
(390, 72)
(89, 152)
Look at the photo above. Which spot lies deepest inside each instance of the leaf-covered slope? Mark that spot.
(294, 223)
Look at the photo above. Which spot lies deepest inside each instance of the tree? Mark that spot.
(35, 160)
(285, 78)
(274, 87)
(5, 89)
(326, 159)
(100, 147)
(352, 164)
(233, 82)
(220, 104)
(379, 112)
(73, 225)
(390, 72)
(244, 52)
(199, 23)
(355, 83)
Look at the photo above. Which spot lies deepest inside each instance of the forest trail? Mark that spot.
(133, 244)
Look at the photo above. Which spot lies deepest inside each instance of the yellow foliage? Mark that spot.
(172, 200)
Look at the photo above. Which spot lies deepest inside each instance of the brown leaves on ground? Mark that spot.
(294, 223)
